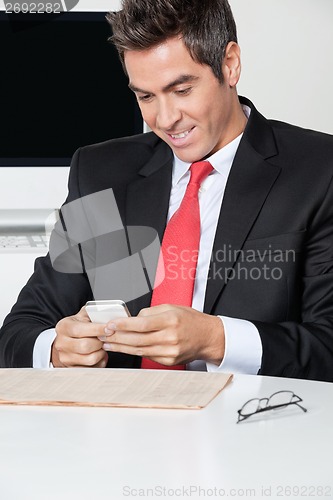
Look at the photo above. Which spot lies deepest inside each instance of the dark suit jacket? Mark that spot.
(274, 240)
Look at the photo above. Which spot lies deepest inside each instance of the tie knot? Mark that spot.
(199, 171)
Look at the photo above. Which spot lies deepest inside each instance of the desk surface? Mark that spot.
(61, 453)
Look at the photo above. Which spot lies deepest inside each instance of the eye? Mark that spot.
(183, 91)
(145, 97)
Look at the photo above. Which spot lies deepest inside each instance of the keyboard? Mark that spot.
(22, 243)
(26, 231)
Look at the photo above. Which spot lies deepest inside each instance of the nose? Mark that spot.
(167, 114)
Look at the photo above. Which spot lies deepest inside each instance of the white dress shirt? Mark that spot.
(243, 348)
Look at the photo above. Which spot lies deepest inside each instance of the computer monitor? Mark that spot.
(62, 86)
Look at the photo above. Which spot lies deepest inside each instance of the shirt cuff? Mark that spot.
(41, 357)
(243, 348)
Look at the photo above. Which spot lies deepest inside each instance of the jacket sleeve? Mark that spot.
(305, 349)
(47, 297)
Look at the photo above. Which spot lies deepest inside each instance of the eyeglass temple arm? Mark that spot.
(302, 407)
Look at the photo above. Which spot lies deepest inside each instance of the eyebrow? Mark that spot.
(180, 80)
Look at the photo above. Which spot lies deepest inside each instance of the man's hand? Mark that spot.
(76, 343)
(168, 334)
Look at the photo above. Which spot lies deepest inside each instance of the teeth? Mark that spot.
(180, 136)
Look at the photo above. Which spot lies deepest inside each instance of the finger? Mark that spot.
(103, 363)
(142, 324)
(86, 360)
(82, 314)
(86, 345)
(106, 338)
(149, 311)
(169, 354)
(147, 353)
(75, 328)
(134, 338)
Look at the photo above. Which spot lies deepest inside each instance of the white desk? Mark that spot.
(101, 454)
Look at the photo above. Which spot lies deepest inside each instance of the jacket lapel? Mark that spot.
(250, 180)
(147, 201)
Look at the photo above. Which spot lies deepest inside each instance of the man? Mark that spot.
(264, 271)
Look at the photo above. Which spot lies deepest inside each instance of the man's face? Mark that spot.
(182, 101)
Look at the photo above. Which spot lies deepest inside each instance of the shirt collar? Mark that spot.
(221, 160)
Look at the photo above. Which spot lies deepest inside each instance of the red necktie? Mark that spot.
(179, 253)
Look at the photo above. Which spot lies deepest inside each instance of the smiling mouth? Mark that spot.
(181, 135)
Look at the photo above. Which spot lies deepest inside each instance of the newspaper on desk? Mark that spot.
(110, 387)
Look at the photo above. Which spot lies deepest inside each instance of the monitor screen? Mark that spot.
(62, 86)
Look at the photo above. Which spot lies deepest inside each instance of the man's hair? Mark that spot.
(205, 26)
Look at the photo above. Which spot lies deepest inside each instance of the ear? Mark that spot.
(231, 66)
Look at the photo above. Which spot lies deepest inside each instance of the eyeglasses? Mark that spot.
(280, 399)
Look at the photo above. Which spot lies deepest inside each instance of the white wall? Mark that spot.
(33, 187)
(287, 48)
(97, 5)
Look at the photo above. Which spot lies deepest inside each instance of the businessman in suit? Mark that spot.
(263, 296)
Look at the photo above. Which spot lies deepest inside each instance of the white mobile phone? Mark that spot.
(102, 311)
